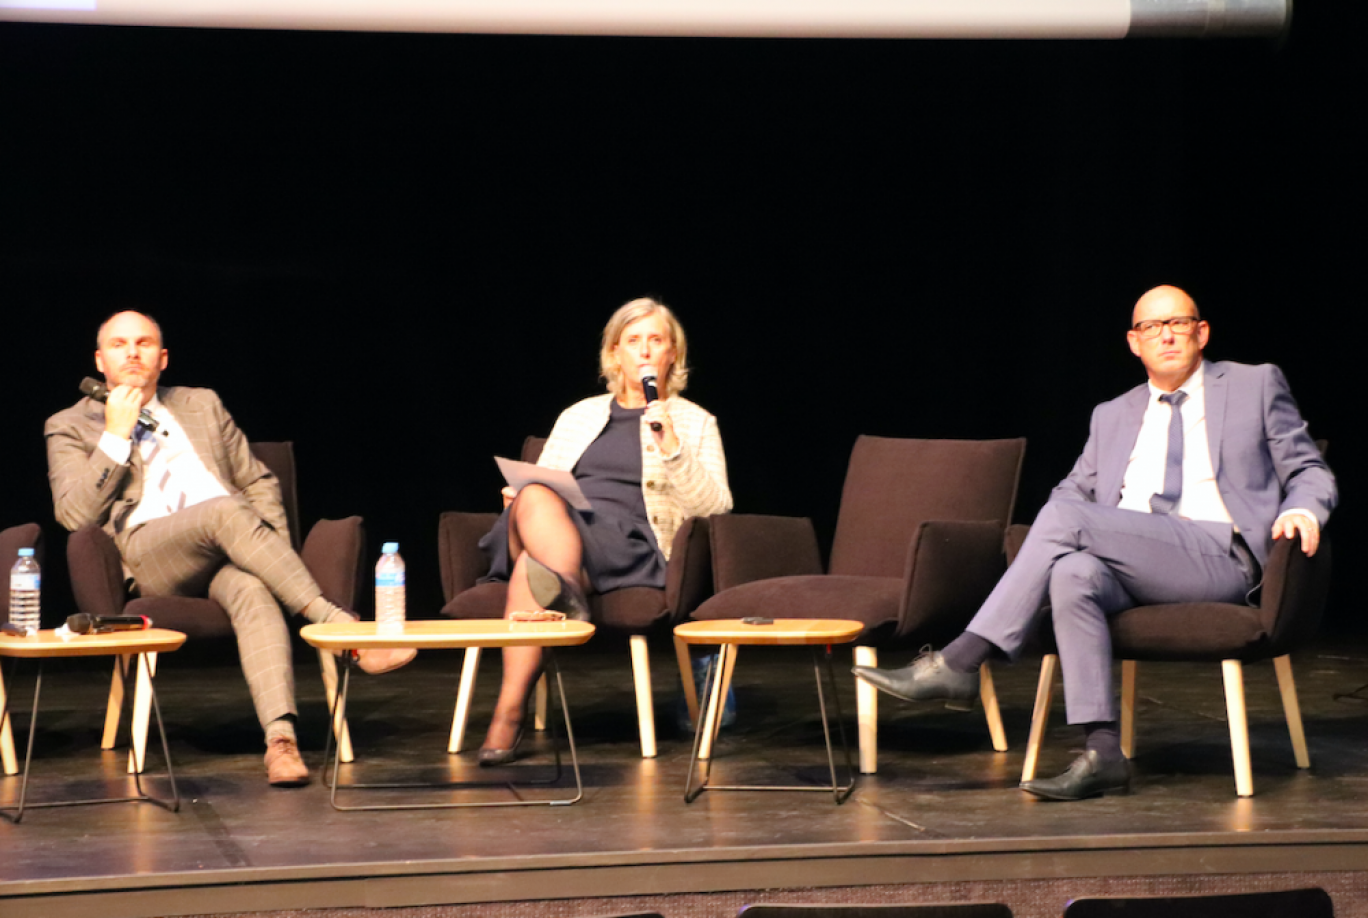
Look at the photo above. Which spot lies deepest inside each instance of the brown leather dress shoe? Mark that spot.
(284, 767)
(384, 660)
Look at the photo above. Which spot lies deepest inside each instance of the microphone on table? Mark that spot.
(82, 623)
(100, 392)
(648, 388)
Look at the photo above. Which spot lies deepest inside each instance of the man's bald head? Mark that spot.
(105, 325)
(1165, 299)
(1168, 335)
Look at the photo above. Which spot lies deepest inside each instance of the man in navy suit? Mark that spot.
(1183, 484)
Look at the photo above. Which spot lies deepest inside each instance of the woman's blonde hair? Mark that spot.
(612, 333)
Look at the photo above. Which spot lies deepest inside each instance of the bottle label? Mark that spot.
(30, 581)
(389, 579)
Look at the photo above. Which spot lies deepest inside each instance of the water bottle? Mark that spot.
(389, 590)
(25, 584)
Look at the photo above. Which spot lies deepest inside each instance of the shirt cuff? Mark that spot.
(114, 448)
(1299, 512)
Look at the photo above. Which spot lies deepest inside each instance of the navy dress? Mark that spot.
(619, 545)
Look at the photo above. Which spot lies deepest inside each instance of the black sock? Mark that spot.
(1104, 738)
(967, 652)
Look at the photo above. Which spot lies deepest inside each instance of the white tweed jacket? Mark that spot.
(692, 482)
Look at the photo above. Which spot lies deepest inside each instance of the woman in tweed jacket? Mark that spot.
(645, 467)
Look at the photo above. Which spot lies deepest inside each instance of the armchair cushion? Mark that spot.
(194, 617)
(483, 600)
(1189, 631)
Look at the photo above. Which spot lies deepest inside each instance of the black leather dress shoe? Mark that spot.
(926, 678)
(554, 592)
(488, 758)
(1088, 776)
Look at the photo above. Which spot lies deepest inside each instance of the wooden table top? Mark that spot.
(437, 633)
(48, 643)
(781, 631)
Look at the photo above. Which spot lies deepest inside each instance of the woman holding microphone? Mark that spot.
(645, 457)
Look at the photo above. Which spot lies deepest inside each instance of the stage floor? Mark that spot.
(942, 807)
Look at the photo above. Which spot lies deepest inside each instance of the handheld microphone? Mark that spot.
(100, 392)
(81, 623)
(648, 388)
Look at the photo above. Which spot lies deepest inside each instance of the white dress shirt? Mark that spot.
(172, 453)
(1201, 499)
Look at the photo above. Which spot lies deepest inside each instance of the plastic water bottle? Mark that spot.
(25, 586)
(389, 590)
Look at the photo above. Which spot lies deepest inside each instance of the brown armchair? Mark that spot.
(29, 535)
(1288, 614)
(918, 547)
(637, 611)
(332, 553)
(1291, 601)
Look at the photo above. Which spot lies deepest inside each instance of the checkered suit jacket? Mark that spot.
(89, 487)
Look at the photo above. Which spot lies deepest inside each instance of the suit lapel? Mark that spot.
(1215, 389)
(1121, 443)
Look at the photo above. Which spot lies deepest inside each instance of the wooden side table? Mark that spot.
(423, 635)
(730, 634)
(129, 647)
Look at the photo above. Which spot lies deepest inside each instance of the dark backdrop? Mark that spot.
(398, 250)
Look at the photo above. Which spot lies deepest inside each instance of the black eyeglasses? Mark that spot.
(1181, 325)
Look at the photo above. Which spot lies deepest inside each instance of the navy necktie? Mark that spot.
(1165, 501)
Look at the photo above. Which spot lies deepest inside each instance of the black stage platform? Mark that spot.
(943, 808)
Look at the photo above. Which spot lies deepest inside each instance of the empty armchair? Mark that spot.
(918, 546)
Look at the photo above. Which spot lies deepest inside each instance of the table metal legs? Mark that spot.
(126, 666)
(330, 776)
(714, 705)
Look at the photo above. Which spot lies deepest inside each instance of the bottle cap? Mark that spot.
(389, 548)
(26, 552)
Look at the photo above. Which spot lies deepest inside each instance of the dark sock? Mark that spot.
(1104, 738)
(967, 652)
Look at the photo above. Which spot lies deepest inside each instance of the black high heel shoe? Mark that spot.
(488, 758)
(554, 592)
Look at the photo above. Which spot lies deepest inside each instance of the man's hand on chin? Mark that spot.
(122, 410)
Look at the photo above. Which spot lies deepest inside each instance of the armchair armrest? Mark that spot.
(333, 553)
(458, 547)
(951, 568)
(1293, 592)
(1012, 541)
(689, 576)
(748, 547)
(97, 577)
